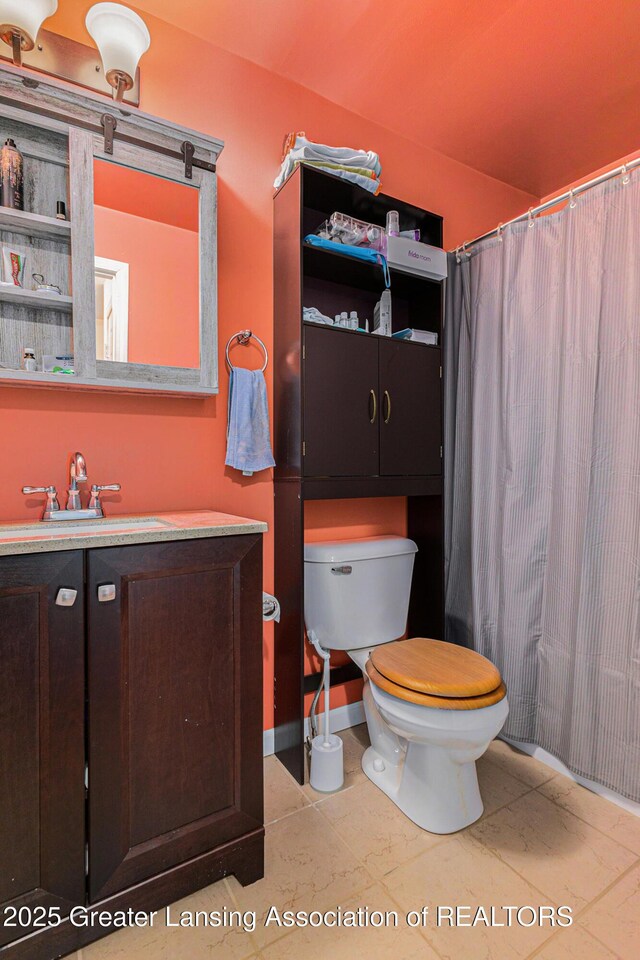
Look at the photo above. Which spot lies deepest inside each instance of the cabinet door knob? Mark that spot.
(387, 400)
(106, 592)
(66, 597)
(373, 406)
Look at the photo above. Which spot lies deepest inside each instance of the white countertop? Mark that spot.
(44, 537)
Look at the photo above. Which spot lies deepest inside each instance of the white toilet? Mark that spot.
(432, 708)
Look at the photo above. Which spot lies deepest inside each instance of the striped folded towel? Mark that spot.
(359, 166)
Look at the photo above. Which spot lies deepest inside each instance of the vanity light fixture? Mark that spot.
(119, 33)
(121, 37)
(20, 22)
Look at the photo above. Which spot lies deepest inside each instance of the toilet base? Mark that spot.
(438, 794)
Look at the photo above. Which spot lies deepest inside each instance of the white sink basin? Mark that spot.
(110, 525)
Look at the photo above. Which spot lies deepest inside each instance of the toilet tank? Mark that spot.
(356, 592)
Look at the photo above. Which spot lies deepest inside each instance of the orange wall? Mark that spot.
(151, 444)
(164, 301)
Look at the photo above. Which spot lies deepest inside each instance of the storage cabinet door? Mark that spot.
(175, 704)
(340, 404)
(410, 414)
(41, 741)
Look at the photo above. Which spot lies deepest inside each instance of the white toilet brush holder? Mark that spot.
(327, 768)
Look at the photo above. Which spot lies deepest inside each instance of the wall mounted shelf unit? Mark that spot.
(60, 130)
(356, 415)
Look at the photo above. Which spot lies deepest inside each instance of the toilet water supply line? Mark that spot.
(324, 685)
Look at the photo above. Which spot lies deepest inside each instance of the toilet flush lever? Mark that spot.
(343, 571)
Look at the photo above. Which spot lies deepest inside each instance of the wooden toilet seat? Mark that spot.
(435, 674)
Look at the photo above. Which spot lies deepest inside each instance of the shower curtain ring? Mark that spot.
(531, 220)
(458, 254)
(572, 200)
(625, 174)
(499, 232)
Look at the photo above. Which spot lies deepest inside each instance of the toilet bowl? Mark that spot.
(432, 708)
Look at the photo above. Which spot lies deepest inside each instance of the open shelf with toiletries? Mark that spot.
(90, 231)
(36, 306)
(333, 283)
(356, 414)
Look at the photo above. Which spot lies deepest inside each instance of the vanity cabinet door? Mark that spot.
(175, 704)
(410, 409)
(42, 792)
(340, 404)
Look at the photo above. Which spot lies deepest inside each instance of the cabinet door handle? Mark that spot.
(387, 399)
(66, 597)
(374, 406)
(106, 592)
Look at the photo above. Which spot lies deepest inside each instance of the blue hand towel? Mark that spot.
(248, 437)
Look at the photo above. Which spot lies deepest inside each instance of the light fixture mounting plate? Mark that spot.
(69, 60)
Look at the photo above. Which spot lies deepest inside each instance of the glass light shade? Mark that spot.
(121, 37)
(25, 17)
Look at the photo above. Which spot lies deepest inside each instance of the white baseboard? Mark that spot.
(353, 714)
(545, 757)
(341, 718)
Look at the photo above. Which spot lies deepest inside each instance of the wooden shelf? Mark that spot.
(34, 225)
(37, 378)
(363, 333)
(35, 298)
(348, 488)
(337, 267)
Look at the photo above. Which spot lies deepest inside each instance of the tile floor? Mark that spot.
(542, 840)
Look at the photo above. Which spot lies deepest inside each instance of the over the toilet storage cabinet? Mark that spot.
(173, 730)
(60, 130)
(371, 406)
(356, 415)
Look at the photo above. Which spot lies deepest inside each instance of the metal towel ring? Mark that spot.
(243, 336)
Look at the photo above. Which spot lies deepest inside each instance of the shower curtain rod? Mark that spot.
(567, 195)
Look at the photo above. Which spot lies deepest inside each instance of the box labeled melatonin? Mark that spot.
(413, 257)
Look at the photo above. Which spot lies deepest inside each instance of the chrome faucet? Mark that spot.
(74, 509)
(77, 474)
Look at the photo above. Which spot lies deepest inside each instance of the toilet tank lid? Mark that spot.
(348, 551)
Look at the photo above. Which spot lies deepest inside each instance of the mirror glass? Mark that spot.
(146, 268)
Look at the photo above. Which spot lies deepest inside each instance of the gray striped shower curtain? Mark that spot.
(542, 476)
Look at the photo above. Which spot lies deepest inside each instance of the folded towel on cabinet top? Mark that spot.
(359, 166)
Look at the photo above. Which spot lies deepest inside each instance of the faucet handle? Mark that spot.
(52, 498)
(96, 490)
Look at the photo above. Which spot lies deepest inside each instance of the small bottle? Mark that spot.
(336, 322)
(344, 319)
(29, 359)
(11, 176)
(393, 223)
(353, 320)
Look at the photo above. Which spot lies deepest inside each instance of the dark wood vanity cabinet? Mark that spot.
(175, 706)
(159, 693)
(42, 829)
(372, 406)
